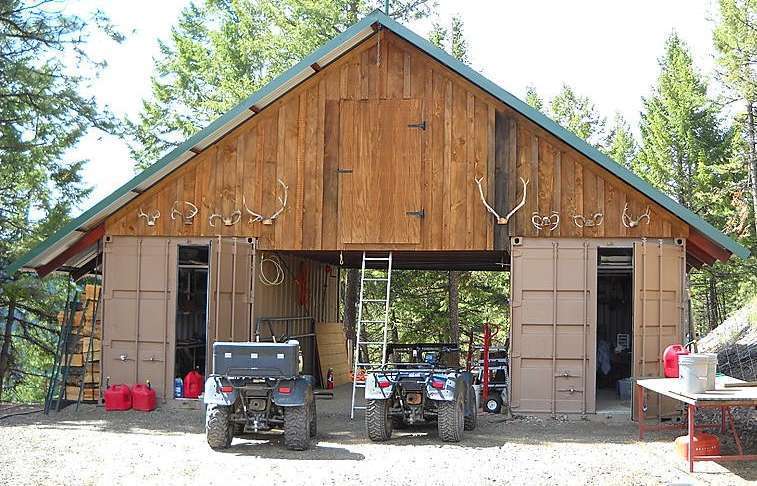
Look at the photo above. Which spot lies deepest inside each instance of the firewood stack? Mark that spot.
(86, 333)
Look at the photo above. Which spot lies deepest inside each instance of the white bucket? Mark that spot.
(692, 372)
(712, 365)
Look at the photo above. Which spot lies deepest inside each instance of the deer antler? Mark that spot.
(230, 221)
(149, 218)
(500, 219)
(269, 220)
(628, 222)
(187, 218)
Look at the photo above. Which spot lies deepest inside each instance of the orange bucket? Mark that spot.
(704, 445)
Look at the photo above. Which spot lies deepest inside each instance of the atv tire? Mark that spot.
(377, 420)
(451, 419)
(313, 420)
(219, 429)
(297, 427)
(471, 421)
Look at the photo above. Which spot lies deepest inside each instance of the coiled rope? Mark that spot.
(278, 279)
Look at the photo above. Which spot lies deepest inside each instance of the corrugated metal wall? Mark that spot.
(659, 268)
(554, 305)
(553, 321)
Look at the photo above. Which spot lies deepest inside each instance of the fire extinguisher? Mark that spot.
(330, 379)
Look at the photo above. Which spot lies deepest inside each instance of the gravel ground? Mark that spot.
(168, 447)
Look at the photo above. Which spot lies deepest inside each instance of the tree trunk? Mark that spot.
(5, 351)
(752, 155)
(454, 311)
(350, 304)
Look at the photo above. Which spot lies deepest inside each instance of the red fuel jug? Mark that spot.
(670, 358)
(330, 379)
(143, 397)
(193, 384)
(117, 397)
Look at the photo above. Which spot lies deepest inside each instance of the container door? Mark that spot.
(137, 310)
(658, 305)
(553, 326)
(379, 171)
(230, 295)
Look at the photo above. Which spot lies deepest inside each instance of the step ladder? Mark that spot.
(375, 265)
(56, 388)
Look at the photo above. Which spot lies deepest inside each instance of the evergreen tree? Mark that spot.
(735, 39)
(621, 146)
(579, 115)
(683, 144)
(42, 116)
(221, 51)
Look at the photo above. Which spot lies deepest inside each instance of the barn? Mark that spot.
(380, 142)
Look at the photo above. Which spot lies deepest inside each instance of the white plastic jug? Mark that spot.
(692, 372)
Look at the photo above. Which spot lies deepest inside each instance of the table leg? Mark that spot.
(722, 420)
(692, 416)
(640, 410)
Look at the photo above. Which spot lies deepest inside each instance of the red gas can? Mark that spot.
(117, 397)
(193, 384)
(143, 397)
(670, 358)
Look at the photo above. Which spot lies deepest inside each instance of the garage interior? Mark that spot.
(191, 309)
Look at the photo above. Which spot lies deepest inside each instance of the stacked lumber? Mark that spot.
(84, 347)
(332, 351)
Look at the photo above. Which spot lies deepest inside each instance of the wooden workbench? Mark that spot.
(722, 398)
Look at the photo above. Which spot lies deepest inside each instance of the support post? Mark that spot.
(692, 416)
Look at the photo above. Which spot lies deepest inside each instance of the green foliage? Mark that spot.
(42, 116)
(578, 114)
(221, 51)
(451, 39)
(533, 98)
(622, 147)
(735, 39)
(683, 144)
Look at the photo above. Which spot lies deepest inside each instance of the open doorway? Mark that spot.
(191, 310)
(614, 329)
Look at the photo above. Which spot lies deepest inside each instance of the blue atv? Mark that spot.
(421, 384)
(256, 387)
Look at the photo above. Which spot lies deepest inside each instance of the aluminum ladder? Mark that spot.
(385, 264)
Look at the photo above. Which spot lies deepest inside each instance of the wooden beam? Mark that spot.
(707, 246)
(315, 66)
(195, 150)
(81, 244)
(255, 109)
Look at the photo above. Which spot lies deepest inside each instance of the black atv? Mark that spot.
(422, 384)
(255, 387)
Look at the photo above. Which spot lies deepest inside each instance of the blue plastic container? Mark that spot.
(178, 388)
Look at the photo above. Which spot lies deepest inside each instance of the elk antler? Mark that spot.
(629, 222)
(272, 218)
(150, 218)
(500, 219)
(230, 221)
(187, 218)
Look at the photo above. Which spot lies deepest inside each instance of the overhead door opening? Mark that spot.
(614, 329)
(191, 310)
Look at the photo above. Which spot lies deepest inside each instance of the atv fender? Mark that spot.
(372, 390)
(300, 392)
(454, 385)
(213, 394)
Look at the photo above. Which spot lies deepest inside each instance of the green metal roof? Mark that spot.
(58, 241)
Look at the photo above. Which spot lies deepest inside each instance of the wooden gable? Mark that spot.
(359, 176)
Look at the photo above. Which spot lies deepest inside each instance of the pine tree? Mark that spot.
(579, 115)
(622, 145)
(735, 39)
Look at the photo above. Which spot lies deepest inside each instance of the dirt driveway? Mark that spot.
(168, 447)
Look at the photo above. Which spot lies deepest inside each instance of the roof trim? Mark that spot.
(45, 251)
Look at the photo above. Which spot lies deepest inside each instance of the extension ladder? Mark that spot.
(362, 334)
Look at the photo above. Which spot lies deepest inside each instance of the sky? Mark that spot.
(607, 50)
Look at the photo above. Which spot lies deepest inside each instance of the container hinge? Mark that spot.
(421, 125)
(421, 213)
(340, 170)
